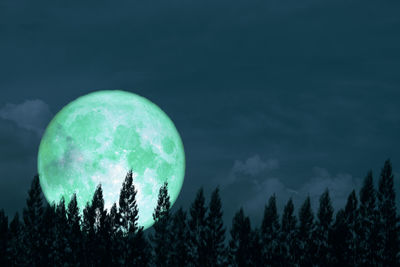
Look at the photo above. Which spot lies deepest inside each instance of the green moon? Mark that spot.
(98, 138)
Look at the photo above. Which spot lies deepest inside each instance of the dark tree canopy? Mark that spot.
(365, 232)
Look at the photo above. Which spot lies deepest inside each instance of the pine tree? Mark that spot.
(306, 228)
(338, 241)
(256, 248)
(128, 210)
(288, 235)
(388, 217)
(116, 236)
(114, 218)
(62, 249)
(179, 240)
(88, 235)
(270, 233)
(322, 231)
(351, 219)
(101, 229)
(126, 222)
(32, 215)
(197, 225)
(160, 238)
(95, 230)
(88, 221)
(343, 239)
(15, 248)
(74, 235)
(141, 250)
(4, 238)
(241, 239)
(215, 232)
(369, 241)
(49, 242)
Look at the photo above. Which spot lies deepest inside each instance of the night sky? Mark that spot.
(269, 96)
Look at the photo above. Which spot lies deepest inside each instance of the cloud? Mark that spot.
(339, 185)
(249, 169)
(32, 115)
(254, 166)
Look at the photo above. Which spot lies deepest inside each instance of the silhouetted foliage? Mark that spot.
(161, 237)
(32, 234)
(369, 228)
(74, 235)
(240, 244)
(215, 232)
(197, 227)
(270, 234)
(351, 216)
(363, 233)
(388, 217)
(321, 245)
(4, 238)
(288, 234)
(179, 246)
(305, 232)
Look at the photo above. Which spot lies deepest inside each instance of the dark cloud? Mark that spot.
(253, 166)
(31, 115)
(261, 187)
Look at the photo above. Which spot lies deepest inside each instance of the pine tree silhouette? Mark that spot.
(101, 229)
(62, 249)
(388, 217)
(351, 217)
(125, 220)
(270, 233)
(322, 230)
(369, 240)
(116, 237)
(179, 240)
(256, 249)
(288, 235)
(4, 238)
(94, 226)
(305, 231)
(48, 246)
(15, 248)
(240, 243)
(338, 241)
(74, 235)
(128, 210)
(197, 225)
(32, 216)
(160, 238)
(141, 250)
(215, 232)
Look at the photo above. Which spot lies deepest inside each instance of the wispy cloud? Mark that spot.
(32, 115)
(254, 165)
(339, 185)
(250, 167)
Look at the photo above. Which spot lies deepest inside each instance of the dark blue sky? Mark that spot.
(280, 96)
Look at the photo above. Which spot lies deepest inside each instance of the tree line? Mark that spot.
(363, 233)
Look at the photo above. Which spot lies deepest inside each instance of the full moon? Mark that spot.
(98, 138)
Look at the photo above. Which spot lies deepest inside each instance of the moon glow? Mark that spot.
(98, 138)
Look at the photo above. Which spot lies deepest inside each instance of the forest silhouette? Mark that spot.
(363, 233)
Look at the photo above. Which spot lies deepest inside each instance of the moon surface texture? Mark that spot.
(98, 138)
